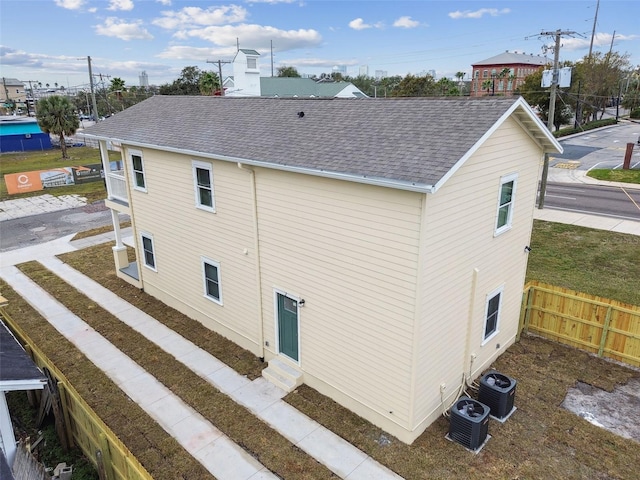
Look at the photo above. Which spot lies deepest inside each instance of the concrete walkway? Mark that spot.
(25, 207)
(224, 459)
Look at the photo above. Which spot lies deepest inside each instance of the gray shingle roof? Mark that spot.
(414, 140)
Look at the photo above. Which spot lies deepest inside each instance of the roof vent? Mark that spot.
(300, 114)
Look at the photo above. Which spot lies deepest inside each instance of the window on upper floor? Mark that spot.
(148, 251)
(485, 74)
(203, 185)
(137, 167)
(505, 203)
(477, 73)
(211, 277)
(492, 314)
(252, 63)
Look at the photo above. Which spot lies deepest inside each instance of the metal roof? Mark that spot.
(509, 58)
(411, 143)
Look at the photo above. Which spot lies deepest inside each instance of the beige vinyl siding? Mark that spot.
(350, 250)
(460, 225)
(183, 234)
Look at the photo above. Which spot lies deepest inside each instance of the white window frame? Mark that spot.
(513, 177)
(213, 263)
(195, 164)
(148, 236)
(134, 181)
(490, 296)
(252, 63)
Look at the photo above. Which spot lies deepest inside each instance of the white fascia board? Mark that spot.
(377, 181)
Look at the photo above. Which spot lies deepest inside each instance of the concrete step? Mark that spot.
(282, 375)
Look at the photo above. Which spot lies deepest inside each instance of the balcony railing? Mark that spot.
(117, 186)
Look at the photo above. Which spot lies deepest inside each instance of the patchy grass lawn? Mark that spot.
(151, 445)
(592, 261)
(618, 175)
(44, 159)
(100, 230)
(540, 440)
(265, 444)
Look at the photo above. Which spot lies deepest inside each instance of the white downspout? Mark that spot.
(256, 239)
(468, 357)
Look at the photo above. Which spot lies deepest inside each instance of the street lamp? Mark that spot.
(493, 83)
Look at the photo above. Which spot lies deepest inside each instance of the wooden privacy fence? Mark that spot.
(84, 427)
(599, 325)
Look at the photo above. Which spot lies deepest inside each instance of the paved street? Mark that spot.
(600, 148)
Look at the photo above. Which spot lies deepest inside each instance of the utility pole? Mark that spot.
(593, 32)
(272, 58)
(93, 92)
(220, 62)
(552, 107)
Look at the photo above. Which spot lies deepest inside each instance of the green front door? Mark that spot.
(288, 326)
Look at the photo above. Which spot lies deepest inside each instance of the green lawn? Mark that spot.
(597, 262)
(42, 160)
(626, 176)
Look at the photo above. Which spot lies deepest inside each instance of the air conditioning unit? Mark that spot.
(498, 391)
(469, 423)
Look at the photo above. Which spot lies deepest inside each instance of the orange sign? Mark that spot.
(23, 182)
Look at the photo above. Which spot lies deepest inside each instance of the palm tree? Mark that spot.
(487, 84)
(208, 83)
(57, 115)
(460, 77)
(504, 73)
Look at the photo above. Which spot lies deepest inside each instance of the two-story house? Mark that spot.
(375, 250)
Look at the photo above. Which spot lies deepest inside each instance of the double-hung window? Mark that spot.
(505, 203)
(203, 185)
(492, 317)
(137, 167)
(148, 251)
(211, 276)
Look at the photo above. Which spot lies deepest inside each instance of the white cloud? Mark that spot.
(258, 37)
(164, 2)
(114, 27)
(599, 40)
(70, 4)
(120, 5)
(195, 16)
(406, 22)
(358, 24)
(494, 12)
(177, 52)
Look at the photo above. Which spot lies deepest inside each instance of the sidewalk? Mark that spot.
(223, 458)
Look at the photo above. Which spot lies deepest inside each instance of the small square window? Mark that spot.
(212, 287)
(505, 203)
(492, 316)
(252, 63)
(148, 251)
(203, 184)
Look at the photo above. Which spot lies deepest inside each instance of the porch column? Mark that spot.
(119, 250)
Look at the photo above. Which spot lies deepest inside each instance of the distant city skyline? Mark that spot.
(161, 37)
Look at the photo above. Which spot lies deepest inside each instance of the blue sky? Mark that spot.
(49, 40)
